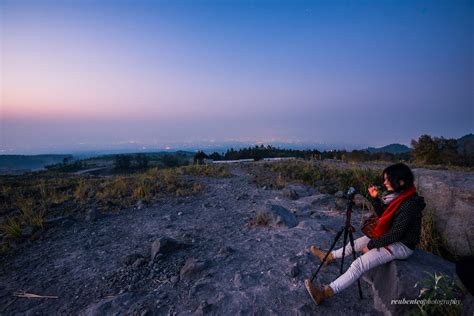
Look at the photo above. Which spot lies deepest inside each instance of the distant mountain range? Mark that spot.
(392, 149)
(465, 146)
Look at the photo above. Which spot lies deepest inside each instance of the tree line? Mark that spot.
(426, 150)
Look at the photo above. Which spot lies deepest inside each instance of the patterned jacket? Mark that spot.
(406, 223)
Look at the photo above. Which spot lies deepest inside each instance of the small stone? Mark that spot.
(139, 262)
(140, 205)
(203, 309)
(164, 245)
(132, 258)
(27, 231)
(244, 196)
(180, 213)
(174, 279)
(146, 312)
(191, 268)
(225, 251)
(93, 215)
(294, 271)
(290, 193)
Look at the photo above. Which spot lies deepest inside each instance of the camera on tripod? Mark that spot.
(347, 230)
(350, 194)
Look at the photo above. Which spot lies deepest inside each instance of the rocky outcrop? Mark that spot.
(396, 280)
(450, 196)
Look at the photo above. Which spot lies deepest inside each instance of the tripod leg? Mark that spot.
(327, 254)
(344, 247)
(351, 239)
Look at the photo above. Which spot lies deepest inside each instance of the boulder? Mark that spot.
(280, 216)
(397, 280)
(450, 196)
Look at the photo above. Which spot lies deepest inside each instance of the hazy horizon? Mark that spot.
(105, 73)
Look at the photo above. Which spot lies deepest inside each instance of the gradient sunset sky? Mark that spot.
(80, 73)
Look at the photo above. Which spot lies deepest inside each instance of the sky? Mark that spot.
(76, 74)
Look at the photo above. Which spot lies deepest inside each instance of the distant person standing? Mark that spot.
(395, 236)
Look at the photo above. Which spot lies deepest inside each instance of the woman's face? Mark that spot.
(387, 183)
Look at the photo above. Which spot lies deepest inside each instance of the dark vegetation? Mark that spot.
(427, 151)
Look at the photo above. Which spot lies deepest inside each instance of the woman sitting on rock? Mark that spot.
(395, 236)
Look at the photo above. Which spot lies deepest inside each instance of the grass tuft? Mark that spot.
(261, 219)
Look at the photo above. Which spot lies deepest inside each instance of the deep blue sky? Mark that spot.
(96, 73)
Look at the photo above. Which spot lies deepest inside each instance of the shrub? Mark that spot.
(142, 161)
(123, 162)
(439, 286)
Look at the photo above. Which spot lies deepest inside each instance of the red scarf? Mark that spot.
(383, 224)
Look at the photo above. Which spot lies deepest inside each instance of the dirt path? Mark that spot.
(104, 266)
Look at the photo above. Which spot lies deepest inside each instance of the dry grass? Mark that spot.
(431, 240)
(116, 188)
(326, 178)
(143, 190)
(31, 213)
(11, 228)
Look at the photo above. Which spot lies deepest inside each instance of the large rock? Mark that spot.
(397, 279)
(450, 195)
(280, 216)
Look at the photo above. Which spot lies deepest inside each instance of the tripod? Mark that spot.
(347, 229)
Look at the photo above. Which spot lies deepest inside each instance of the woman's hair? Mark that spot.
(397, 172)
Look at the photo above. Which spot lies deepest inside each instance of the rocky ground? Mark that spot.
(186, 255)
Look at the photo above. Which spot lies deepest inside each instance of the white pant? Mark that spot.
(367, 261)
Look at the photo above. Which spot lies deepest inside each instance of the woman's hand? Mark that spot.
(365, 249)
(373, 191)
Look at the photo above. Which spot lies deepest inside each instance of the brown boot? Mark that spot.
(321, 254)
(318, 295)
